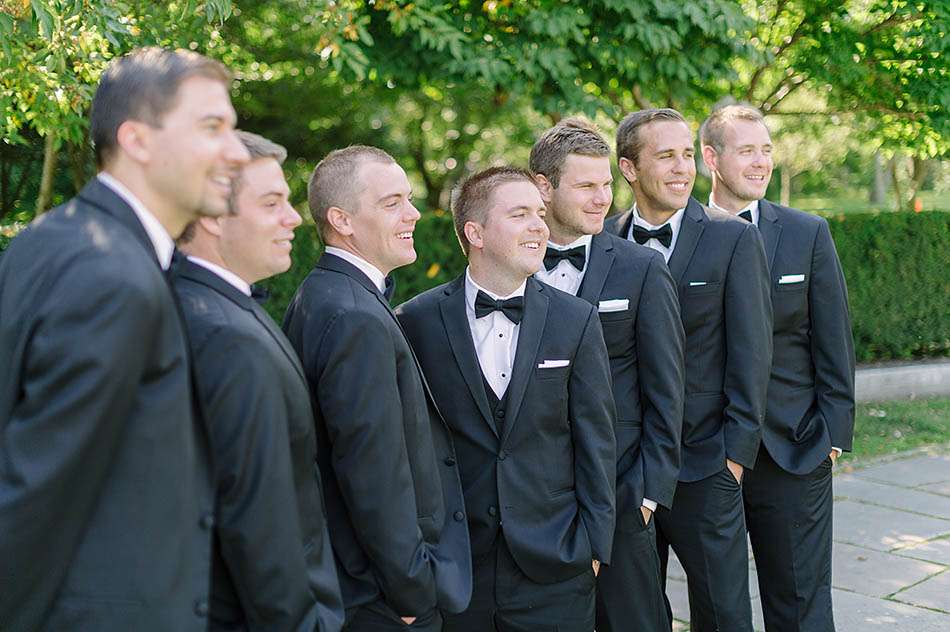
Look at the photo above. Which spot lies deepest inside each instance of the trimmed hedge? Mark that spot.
(897, 266)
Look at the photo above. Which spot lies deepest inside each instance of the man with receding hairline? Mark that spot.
(272, 565)
(719, 267)
(809, 415)
(106, 498)
(394, 500)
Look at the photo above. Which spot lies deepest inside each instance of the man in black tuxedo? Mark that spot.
(521, 373)
(809, 415)
(106, 497)
(719, 266)
(273, 566)
(394, 500)
(639, 312)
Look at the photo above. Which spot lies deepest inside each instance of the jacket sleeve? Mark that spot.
(593, 414)
(358, 393)
(82, 366)
(832, 344)
(660, 340)
(748, 334)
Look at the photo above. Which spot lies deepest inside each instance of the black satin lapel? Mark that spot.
(771, 231)
(281, 340)
(598, 267)
(457, 330)
(691, 228)
(529, 341)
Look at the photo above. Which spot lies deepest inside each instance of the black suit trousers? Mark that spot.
(706, 528)
(790, 526)
(630, 589)
(378, 617)
(505, 600)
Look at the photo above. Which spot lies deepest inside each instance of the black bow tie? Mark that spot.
(260, 294)
(389, 289)
(663, 234)
(746, 215)
(512, 308)
(576, 256)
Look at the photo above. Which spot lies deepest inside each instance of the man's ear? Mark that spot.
(710, 158)
(473, 233)
(628, 170)
(544, 186)
(340, 220)
(211, 225)
(133, 139)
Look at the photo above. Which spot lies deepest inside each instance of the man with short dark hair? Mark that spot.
(636, 301)
(521, 373)
(809, 417)
(106, 497)
(394, 501)
(718, 264)
(273, 566)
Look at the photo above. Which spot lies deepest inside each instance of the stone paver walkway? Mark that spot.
(891, 565)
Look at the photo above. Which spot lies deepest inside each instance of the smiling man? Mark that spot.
(520, 371)
(636, 301)
(718, 264)
(809, 416)
(272, 565)
(394, 500)
(105, 489)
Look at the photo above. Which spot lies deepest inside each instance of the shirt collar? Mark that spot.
(752, 207)
(224, 273)
(367, 268)
(472, 288)
(162, 242)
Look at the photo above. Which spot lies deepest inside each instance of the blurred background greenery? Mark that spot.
(856, 93)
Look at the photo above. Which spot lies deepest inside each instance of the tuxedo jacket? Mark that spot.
(640, 315)
(811, 390)
(105, 489)
(721, 273)
(394, 500)
(548, 477)
(273, 566)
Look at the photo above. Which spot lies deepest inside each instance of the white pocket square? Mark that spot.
(553, 364)
(791, 278)
(696, 283)
(614, 305)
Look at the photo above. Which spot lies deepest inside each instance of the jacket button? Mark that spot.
(449, 461)
(201, 608)
(459, 516)
(492, 511)
(207, 521)
(500, 413)
(502, 455)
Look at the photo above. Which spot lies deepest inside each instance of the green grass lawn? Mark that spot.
(857, 202)
(882, 428)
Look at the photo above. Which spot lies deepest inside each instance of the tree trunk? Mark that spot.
(921, 167)
(879, 185)
(897, 185)
(785, 195)
(49, 168)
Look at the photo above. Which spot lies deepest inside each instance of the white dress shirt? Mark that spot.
(375, 274)
(162, 242)
(674, 221)
(564, 276)
(495, 337)
(224, 273)
(753, 208)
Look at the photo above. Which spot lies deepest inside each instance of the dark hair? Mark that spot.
(712, 131)
(335, 181)
(143, 86)
(629, 141)
(470, 199)
(572, 135)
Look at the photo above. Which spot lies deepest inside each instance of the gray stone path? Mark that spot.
(891, 566)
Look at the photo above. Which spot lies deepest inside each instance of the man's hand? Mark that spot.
(834, 457)
(736, 470)
(408, 620)
(596, 566)
(646, 514)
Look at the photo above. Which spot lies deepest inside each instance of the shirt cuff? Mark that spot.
(649, 504)
(838, 450)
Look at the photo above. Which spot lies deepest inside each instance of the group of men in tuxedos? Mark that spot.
(514, 450)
